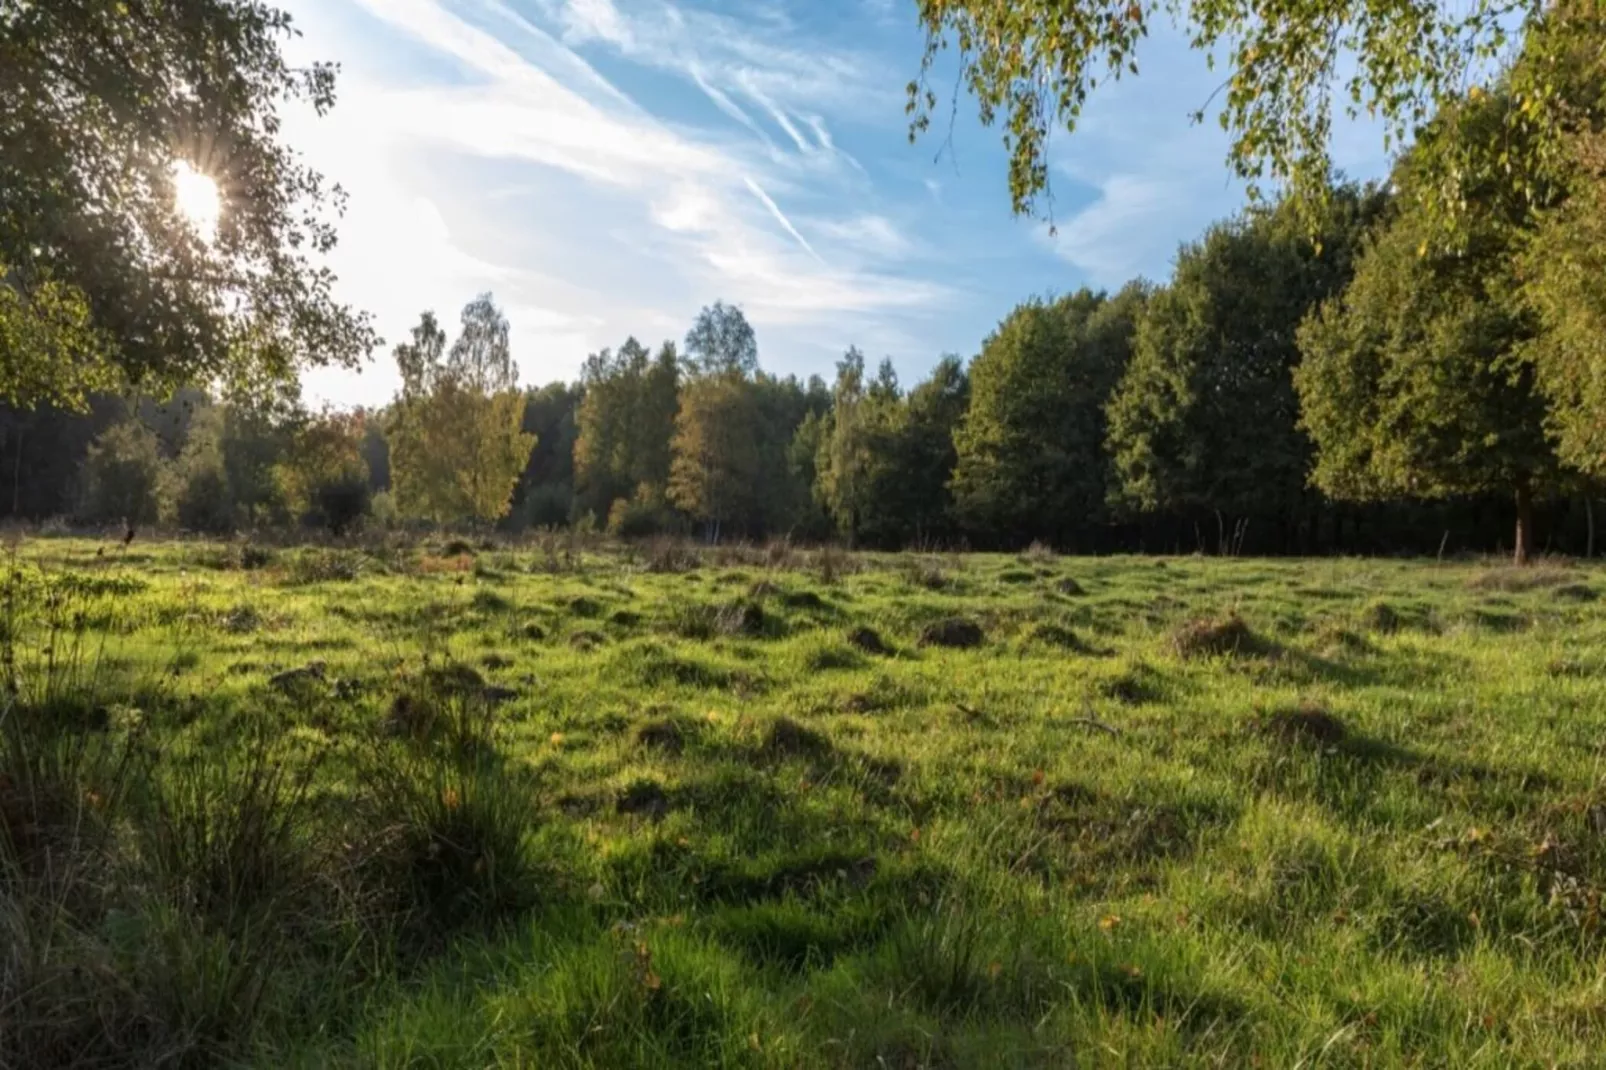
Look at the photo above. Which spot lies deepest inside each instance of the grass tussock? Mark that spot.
(868, 641)
(954, 633)
(1215, 637)
(1304, 724)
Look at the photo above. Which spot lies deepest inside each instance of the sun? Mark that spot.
(196, 197)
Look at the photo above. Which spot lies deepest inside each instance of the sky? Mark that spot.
(606, 168)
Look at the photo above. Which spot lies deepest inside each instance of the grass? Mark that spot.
(476, 806)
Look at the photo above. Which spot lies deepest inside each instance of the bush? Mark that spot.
(546, 506)
(644, 513)
(199, 493)
(200, 497)
(382, 511)
(122, 476)
(339, 504)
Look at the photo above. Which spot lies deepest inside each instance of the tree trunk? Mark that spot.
(16, 477)
(1589, 515)
(1525, 524)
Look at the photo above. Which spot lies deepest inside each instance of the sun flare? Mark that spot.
(195, 195)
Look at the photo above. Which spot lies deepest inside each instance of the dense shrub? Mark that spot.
(122, 476)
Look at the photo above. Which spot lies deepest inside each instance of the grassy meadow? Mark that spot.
(449, 805)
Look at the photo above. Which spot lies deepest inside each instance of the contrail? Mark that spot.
(780, 216)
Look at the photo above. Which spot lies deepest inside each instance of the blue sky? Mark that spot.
(608, 167)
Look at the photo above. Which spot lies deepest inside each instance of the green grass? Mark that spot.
(394, 807)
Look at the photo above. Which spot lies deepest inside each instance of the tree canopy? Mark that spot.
(1030, 448)
(1288, 70)
(1205, 419)
(105, 108)
(457, 439)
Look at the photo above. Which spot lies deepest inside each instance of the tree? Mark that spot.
(375, 450)
(1205, 422)
(843, 463)
(255, 439)
(456, 436)
(807, 516)
(1413, 382)
(122, 476)
(1034, 63)
(199, 493)
(1564, 263)
(912, 487)
(722, 342)
(50, 350)
(1030, 449)
(783, 500)
(1562, 257)
(324, 479)
(713, 477)
(109, 109)
(625, 424)
(42, 452)
(545, 494)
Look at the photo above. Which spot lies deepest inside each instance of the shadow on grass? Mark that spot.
(1346, 774)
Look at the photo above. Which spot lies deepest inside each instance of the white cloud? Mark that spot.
(596, 19)
(874, 235)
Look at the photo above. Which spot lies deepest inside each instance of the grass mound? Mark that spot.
(1306, 724)
(830, 657)
(746, 619)
(869, 641)
(1059, 637)
(666, 735)
(1382, 618)
(1137, 685)
(584, 608)
(644, 798)
(787, 738)
(445, 841)
(1334, 637)
(804, 600)
(955, 633)
(1215, 637)
(1068, 587)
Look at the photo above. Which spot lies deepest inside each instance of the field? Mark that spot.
(532, 806)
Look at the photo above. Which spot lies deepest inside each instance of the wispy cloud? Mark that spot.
(696, 203)
(780, 217)
(782, 72)
(873, 235)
